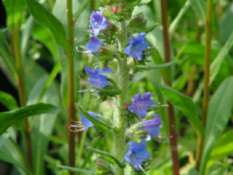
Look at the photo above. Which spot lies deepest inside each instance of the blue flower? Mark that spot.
(141, 104)
(85, 122)
(137, 46)
(137, 154)
(152, 126)
(97, 77)
(94, 44)
(98, 22)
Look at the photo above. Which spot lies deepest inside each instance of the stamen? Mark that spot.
(135, 166)
(78, 130)
(169, 137)
(77, 126)
(160, 141)
(74, 121)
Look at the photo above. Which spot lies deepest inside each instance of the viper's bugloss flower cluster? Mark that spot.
(104, 34)
(137, 152)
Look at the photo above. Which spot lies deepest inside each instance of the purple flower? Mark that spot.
(98, 22)
(152, 126)
(97, 77)
(85, 122)
(94, 44)
(137, 46)
(137, 154)
(141, 104)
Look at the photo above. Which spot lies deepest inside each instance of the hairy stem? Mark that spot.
(173, 142)
(120, 126)
(21, 89)
(71, 108)
(205, 102)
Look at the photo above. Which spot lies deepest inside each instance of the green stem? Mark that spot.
(120, 126)
(206, 79)
(81, 145)
(21, 89)
(71, 108)
(173, 142)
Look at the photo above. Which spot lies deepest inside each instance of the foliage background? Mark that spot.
(187, 40)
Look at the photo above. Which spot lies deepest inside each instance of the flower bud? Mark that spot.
(136, 133)
(102, 167)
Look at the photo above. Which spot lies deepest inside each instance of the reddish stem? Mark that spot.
(173, 142)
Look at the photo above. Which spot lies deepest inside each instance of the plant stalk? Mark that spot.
(71, 107)
(120, 127)
(21, 89)
(208, 26)
(173, 142)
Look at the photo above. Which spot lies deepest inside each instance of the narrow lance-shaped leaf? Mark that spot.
(175, 23)
(99, 124)
(5, 56)
(77, 170)
(200, 8)
(8, 101)
(110, 92)
(108, 156)
(186, 105)
(215, 66)
(14, 10)
(45, 18)
(9, 118)
(219, 111)
(223, 147)
(147, 67)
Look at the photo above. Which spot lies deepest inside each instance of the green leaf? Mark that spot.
(77, 170)
(6, 58)
(156, 66)
(226, 23)
(8, 101)
(223, 147)
(45, 18)
(175, 23)
(219, 111)
(110, 92)
(43, 125)
(108, 156)
(14, 10)
(81, 17)
(9, 118)
(215, 66)
(11, 153)
(45, 36)
(81, 9)
(186, 105)
(99, 124)
(199, 7)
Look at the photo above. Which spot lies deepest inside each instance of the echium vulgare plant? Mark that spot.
(119, 37)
